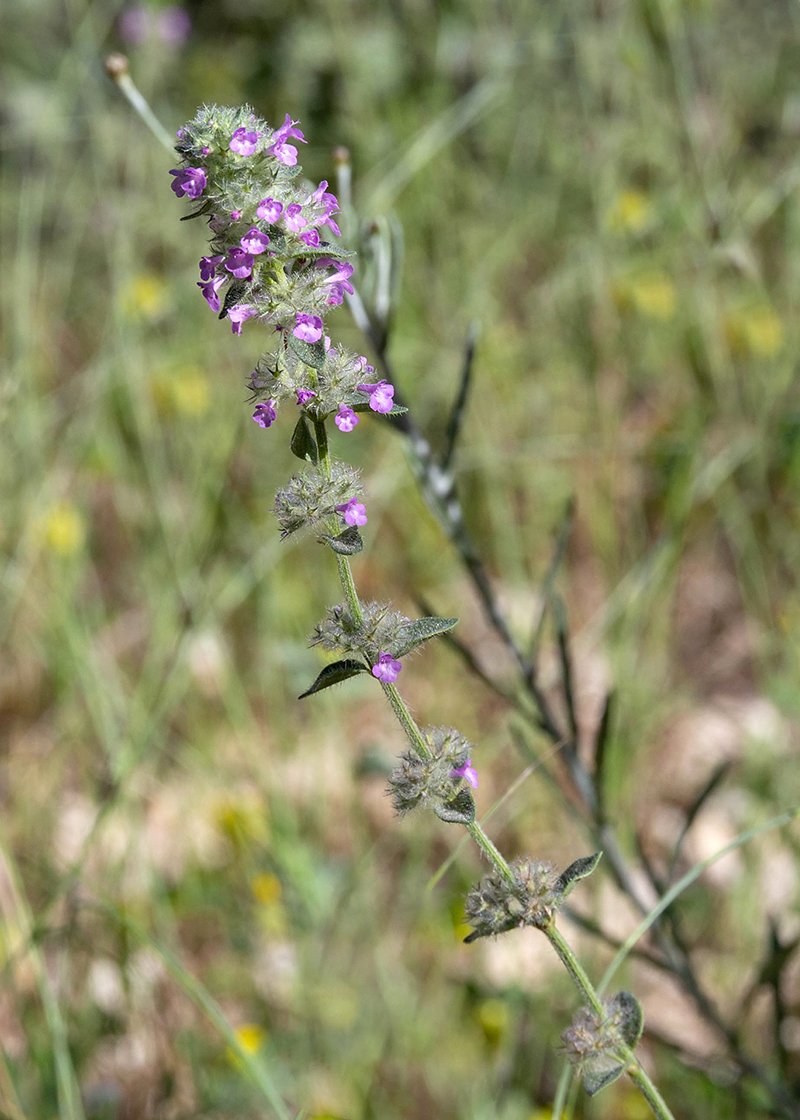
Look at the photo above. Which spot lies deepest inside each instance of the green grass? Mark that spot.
(611, 191)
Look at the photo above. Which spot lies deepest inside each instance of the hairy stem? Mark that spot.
(489, 850)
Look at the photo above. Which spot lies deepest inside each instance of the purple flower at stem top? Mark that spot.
(254, 241)
(210, 289)
(265, 414)
(244, 143)
(308, 327)
(208, 266)
(380, 395)
(354, 512)
(305, 395)
(239, 263)
(345, 419)
(189, 181)
(283, 152)
(238, 315)
(386, 669)
(269, 210)
(467, 772)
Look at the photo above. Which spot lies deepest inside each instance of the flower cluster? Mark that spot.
(432, 781)
(495, 906)
(600, 1045)
(268, 260)
(311, 497)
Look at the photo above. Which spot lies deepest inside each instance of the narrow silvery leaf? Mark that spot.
(361, 405)
(595, 1080)
(413, 634)
(204, 209)
(312, 353)
(460, 810)
(627, 1011)
(348, 543)
(302, 444)
(576, 871)
(333, 674)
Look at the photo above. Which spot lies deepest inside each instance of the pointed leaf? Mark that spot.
(302, 443)
(277, 239)
(595, 1080)
(576, 871)
(348, 543)
(204, 209)
(333, 674)
(312, 353)
(413, 634)
(459, 810)
(232, 296)
(361, 404)
(627, 1011)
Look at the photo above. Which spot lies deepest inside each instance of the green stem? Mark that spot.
(417, 739)
(586, 988)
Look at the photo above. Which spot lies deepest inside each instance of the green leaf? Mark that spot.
(232, 297)
(595, 1080)
(460, 810)
(413, 634)
(348, 542)
(277, 239)
(312, 353)
(302, 443)
(576, 871)
(333, 674)
(627, 1011)
(360, 403)
(204, 209)
(324, 249)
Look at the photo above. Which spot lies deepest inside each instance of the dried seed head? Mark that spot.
(421, 781)
(495, 906)
(378, 631)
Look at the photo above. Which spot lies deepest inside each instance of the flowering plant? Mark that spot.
(268, 261)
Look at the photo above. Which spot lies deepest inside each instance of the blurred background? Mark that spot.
(203, 889)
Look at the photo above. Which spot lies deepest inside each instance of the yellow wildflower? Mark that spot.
(756, 331)
(146, 296)
(630, 212)
(63, 529)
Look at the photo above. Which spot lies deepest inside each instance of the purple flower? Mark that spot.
(254, 241)
(341, 277)
(308, 327)
(305, 395)
(244, 142)
(210, 289)
(269, 210)
(467, 771)
(238, 315)
(329, 201)
(173, 25)
(190, 181)
(239, 263)
(328, 221)
(386, 669)
(311, 238)
(353, 512)
(265, 414)
(208, 266)
(236, 215)
(292, 217)
(345, 419)
(380, 395)
(283, 152)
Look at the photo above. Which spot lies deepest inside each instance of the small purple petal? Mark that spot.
(305, 395)
(210, 289)
(244, 143)
(387, 668)
(311, 238)
(345, 419)
(254, 241)
(467, 772)
(238, 315)
(265, 414)
(208, 266)
(308, 327)
(292, 217)
(269, 210)
(189, 181)
(353, 512)
(239, 263)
